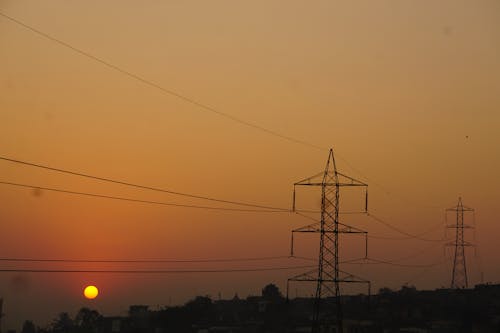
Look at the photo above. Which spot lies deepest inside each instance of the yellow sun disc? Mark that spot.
(90, 292)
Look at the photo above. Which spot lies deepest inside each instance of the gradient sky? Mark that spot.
(406, 92)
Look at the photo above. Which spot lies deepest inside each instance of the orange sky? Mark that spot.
(405, 91)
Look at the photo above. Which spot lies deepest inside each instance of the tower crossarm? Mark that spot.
(317, 180)
(351, 278)
(316, 227)
(347, 180)
(465, 226)
(347, 229)
(464, 243)
(463, 209)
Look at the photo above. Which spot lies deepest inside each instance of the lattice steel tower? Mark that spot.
(459, 275)
(328, 275)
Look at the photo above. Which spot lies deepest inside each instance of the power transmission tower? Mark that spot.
(459, 275)
(328, 275)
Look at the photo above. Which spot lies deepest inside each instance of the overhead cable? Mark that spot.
(390, 226)
(103, 196)
(144, 187)
(161, 271)
(147, 261)
(157, 86)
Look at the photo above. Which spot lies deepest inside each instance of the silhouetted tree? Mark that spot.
(63, 323)
(385, 291)
(271, 293)
(28, 327)
(274, 314)
(408, 290)
(200, 302)
(86, 319)
(201, 309)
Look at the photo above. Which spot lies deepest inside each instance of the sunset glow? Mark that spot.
(152, 149)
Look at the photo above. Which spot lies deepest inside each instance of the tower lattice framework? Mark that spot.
(459, 278)
(328, 275)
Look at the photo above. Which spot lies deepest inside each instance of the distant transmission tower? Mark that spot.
(328, 276)
(459, 275)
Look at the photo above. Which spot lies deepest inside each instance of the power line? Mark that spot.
(302, 258)
(149, 261)
(403, 232)
(139, 200)
(351, 261)
(423, 273)
(395, 262)
(182, 97)
(386, 262)
(268, 210)
(174, 93)
(138, 271)
(144, 187)
(159, 87)
(186, 99)
(416, 254)
(408, 235)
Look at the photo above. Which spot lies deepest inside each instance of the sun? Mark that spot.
(90, 292)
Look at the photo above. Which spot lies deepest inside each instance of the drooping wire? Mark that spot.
(408, 235)
(144, 187)
(148, 261)
(416, 254)
(164, 90)
(386, 262)
(186, 99)
(161, 271)
(390, 226)
(102, 196)
(425, 272)
(270, 210)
